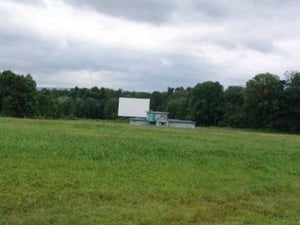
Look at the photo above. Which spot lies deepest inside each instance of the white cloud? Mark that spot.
(83, 78)
(183, 43)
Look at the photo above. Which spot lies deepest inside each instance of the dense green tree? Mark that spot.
(17, 95)
(206, 103)
(290, 108)
(262, 100)
(157, 100)
(69, 107)
(48, 105)
(92, 108)
(100, 103)
(233, 106)
(170, 91)
(265, 102)
(176, 102)
(177, 108)
(111, 108)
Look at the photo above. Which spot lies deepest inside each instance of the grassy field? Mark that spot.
(98, 172)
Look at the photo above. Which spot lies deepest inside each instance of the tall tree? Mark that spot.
(290, 109)
(206, 103)
(233, 106)
(17, 95)
(262, 100)
(176, 102)
(111, 108)
(157, 100)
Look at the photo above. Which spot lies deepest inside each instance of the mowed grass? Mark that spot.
(98, 172)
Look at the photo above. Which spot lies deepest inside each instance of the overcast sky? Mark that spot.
(147, 45)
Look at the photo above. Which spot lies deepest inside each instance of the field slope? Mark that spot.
(97, 172)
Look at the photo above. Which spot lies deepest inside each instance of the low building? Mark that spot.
(138, 121)
(160, 119)
(157, 118)
(181, 123)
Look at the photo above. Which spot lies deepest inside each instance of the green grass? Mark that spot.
(98, 172)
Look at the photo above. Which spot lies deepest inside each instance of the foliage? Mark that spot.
(266, 102)
(290, 110)
(17, 95)
(233, 107)
(49, 106)
(206, 103)
(262, 100)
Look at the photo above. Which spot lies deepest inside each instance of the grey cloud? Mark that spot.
(247, 10)
(144, 10)
(204, 10)
(210, 8)
(142, 71)
(254, 25)
(258, 44)
(158, 11)
(264, 46)
(166, 11)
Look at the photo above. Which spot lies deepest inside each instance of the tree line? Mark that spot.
(265, 102)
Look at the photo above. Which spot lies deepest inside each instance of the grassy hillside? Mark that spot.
(95, 172)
